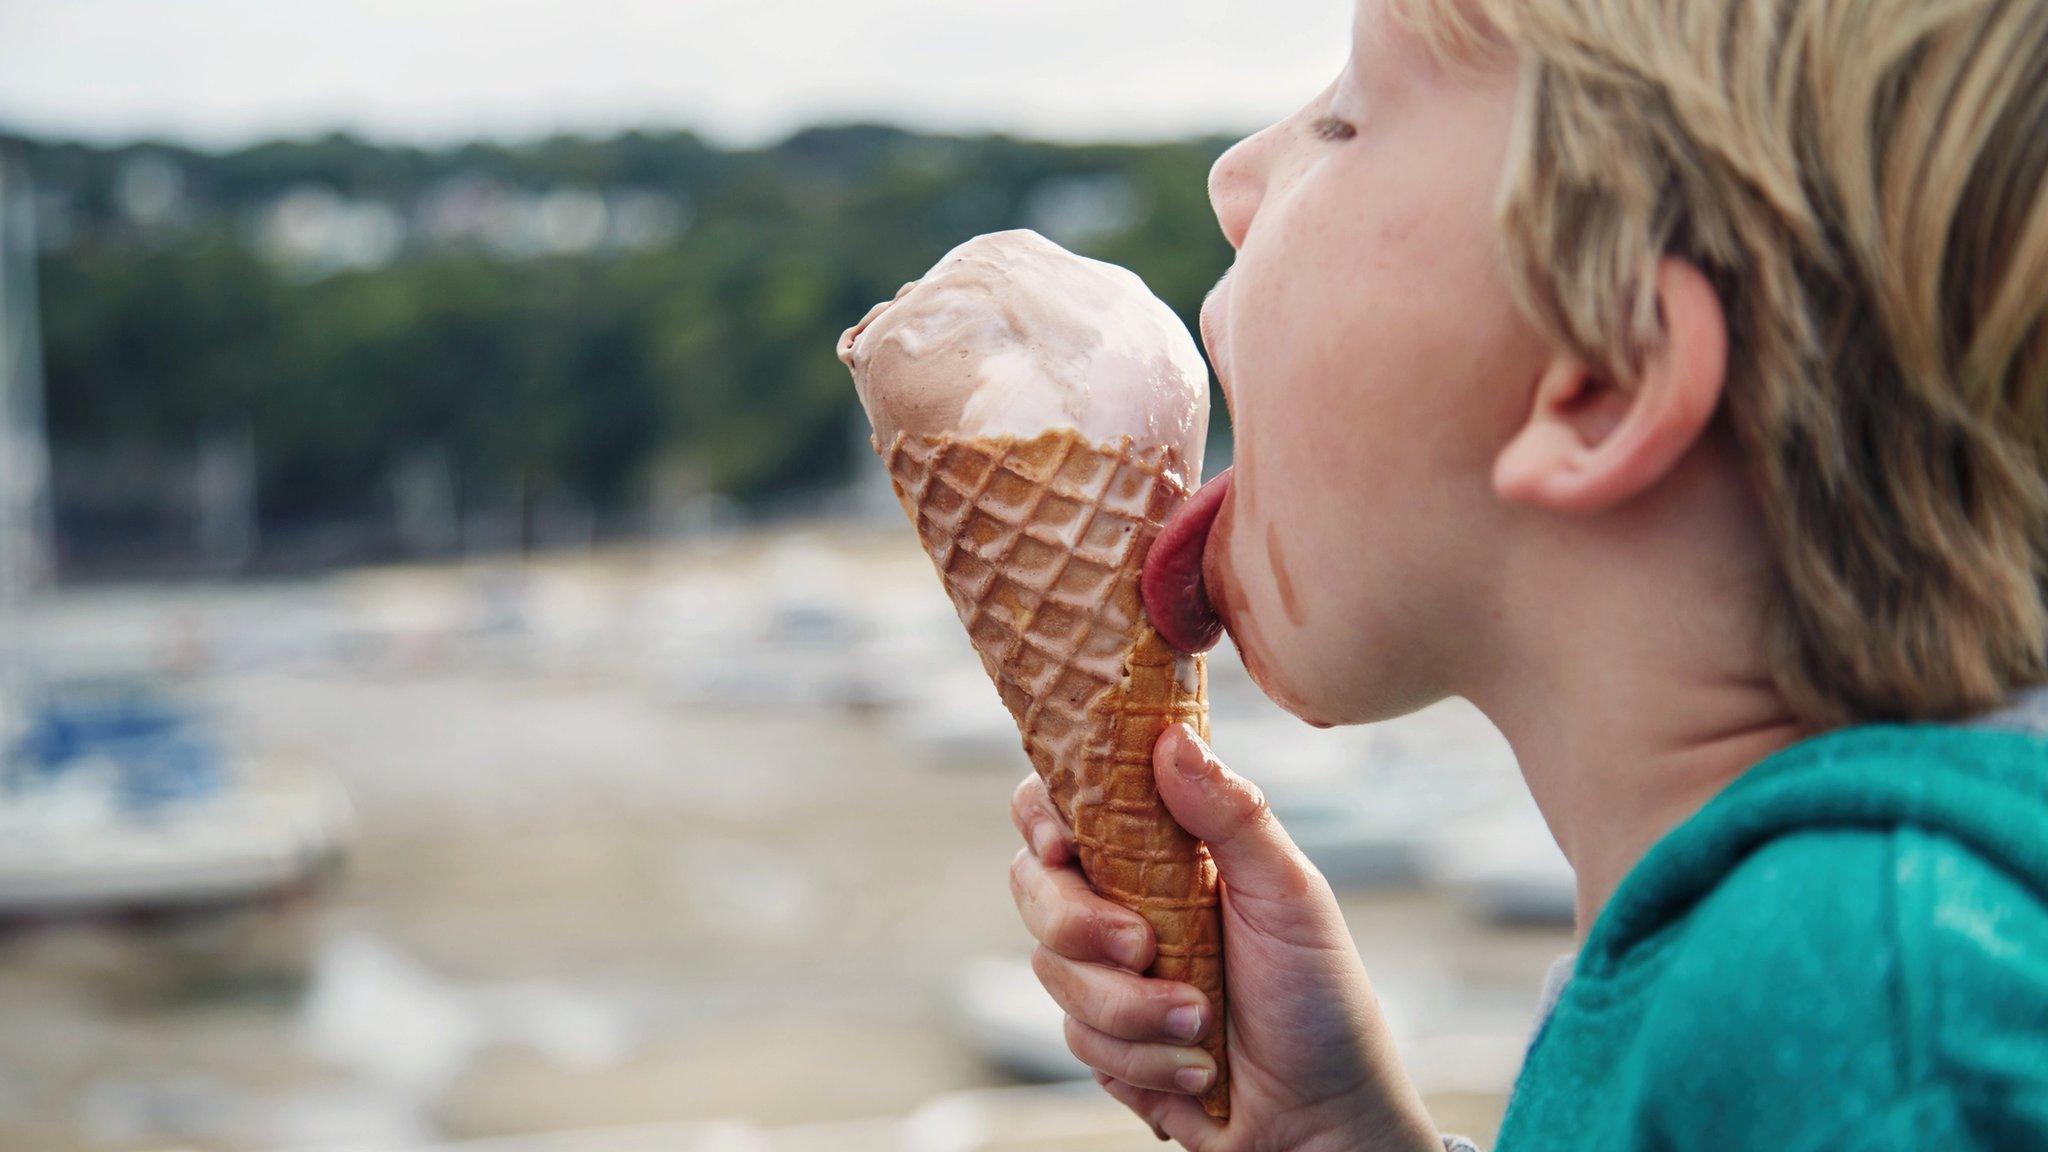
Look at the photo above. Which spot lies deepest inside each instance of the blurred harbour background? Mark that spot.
(464, 681)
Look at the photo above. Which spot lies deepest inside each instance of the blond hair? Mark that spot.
(1863, 181)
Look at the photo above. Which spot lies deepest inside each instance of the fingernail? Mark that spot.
(1160, 1132)
(1192, 1080)
(1129, 945)
(1185, 1023)
(1191, 760)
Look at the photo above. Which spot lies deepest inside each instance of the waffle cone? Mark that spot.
(1040, 543)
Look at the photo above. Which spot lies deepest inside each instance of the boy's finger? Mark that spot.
(1253, 853)
(1123, 1004)
(1133, 1098)
(1062, 913)
(1039, 822)
(1172, 1117)
(1164, 1067)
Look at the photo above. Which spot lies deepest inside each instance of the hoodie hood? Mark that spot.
(1983, 783)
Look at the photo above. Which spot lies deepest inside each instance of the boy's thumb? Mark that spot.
(1253, 854)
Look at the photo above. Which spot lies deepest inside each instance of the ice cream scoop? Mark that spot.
(1012, 335)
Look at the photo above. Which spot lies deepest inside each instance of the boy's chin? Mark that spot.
(1289, 700)
(1328, 701)
(1314, 674)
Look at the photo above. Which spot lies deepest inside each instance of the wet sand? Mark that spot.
(586, 892)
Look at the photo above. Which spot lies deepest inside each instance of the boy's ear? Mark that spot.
(1588, 444)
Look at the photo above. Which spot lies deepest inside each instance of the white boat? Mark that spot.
(117, 799)
(114, 797)
(68, 852)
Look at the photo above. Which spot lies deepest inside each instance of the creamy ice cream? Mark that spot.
(1012, 335)
(1041, 417)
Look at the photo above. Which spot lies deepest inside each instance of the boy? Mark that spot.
(1671, 380)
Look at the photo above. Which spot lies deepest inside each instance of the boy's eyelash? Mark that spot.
(1332, 129)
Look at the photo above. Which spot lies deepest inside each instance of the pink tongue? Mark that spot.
(1175, 599)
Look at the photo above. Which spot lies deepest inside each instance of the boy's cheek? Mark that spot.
(1352, 349)
(1265, 590)
(1262, 613)
(1348, 480)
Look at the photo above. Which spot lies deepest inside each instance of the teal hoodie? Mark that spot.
(1845, 950)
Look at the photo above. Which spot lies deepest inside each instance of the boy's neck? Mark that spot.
(1611, 790)
(1631, 676)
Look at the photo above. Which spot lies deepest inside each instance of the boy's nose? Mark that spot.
(1237, 183)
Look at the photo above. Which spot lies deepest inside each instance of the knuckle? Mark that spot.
(1117, 1057)
(1067, 987)
(1018, 863)
(1128, 1016)
(1022, 798)
(1045, 964)
(1244, 810)
(1101, 935)
(1025, 890)
(1151, 1112)
(1147, 1010)
(1099, 1051)
(1299, 879)
(1253, 809)
(1082, 1045)
(1102, 1005)
(1313, 881)
(1114, 1004)
(1075, 932)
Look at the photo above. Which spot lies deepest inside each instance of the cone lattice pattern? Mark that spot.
(1040, 544)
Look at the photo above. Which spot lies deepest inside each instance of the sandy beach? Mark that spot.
(671, 836)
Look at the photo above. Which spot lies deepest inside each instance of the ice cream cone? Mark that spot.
(1040, 543)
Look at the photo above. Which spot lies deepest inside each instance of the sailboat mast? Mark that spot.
(25, 513)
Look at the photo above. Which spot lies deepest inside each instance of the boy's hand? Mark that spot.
(1311, 1063)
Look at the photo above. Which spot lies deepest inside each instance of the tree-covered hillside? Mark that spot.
(603, 322)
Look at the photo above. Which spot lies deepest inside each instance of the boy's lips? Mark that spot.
(1176, 597)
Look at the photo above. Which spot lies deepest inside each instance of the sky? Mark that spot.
(219, 73)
